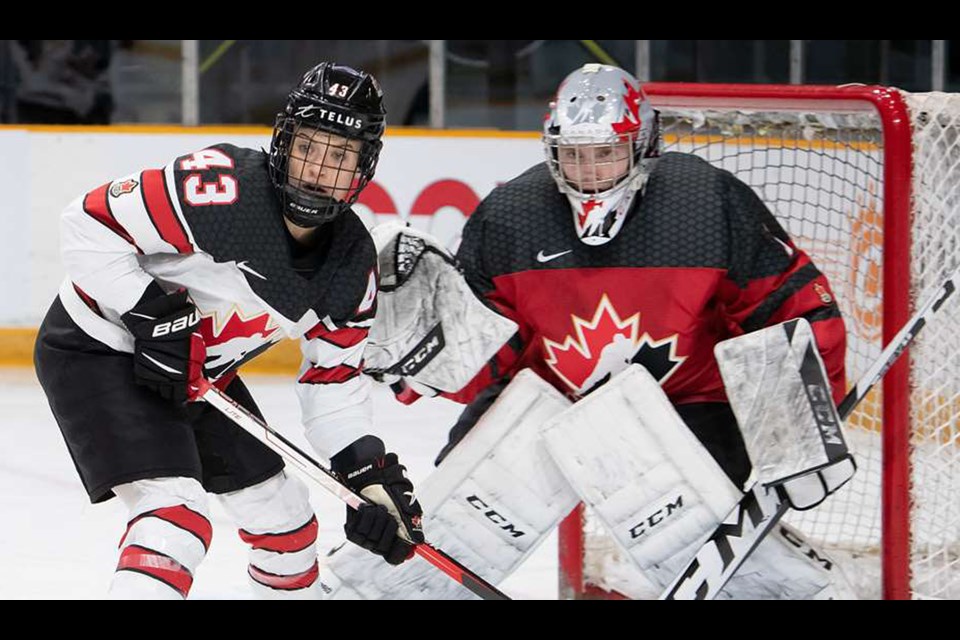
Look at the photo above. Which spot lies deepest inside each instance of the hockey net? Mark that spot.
(867, 181)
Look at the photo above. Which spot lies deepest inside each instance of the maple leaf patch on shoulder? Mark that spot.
(122, 187)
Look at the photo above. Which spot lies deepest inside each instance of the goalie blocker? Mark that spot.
(777, 387)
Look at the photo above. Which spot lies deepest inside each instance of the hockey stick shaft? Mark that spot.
(897, 345)
(329, 481)
(760, 508)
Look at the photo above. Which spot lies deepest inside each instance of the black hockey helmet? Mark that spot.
(338, 100)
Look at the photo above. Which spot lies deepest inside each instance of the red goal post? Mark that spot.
(867, 180)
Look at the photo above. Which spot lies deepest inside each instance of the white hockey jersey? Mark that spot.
(210, 222)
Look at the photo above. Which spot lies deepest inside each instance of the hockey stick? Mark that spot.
(326, 478)
(764, 505)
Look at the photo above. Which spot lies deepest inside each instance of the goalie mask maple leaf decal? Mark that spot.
(631, 118)
(604, 345)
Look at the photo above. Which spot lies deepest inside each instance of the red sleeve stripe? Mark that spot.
(333, 375)
(87, 300)
(180, 516)
(158, 566)
(160, 209)
(788, 288)
(95, 204)
(296, 540)
(285, 583)
(343, 338)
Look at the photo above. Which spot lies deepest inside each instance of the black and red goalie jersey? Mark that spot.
(699, 259)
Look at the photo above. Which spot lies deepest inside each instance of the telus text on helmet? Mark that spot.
(325, 114)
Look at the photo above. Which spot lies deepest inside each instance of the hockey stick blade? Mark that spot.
(329, 481)
(762, 507)
(733, 541)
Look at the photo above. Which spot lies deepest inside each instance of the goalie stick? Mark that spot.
(326, 478)
(764, 505)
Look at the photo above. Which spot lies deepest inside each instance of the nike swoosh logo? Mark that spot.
(160, 364)
(244, 267)
(542, 257)
(141, 315)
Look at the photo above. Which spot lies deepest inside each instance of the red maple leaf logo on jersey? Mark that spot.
(235, 340)
(631, 119)
(120, 188)
(602, 347)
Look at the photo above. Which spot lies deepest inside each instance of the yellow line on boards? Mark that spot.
(16, 350)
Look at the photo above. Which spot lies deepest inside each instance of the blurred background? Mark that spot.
(495, 84)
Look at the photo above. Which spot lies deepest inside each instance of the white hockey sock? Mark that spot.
(277, 521)
(167, 537)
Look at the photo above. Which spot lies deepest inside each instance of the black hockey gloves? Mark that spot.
(390, 526)
(168, 350)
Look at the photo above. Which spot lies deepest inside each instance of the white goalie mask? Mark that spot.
(600, 139)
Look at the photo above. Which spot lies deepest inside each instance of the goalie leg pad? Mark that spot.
(490, 503)
(652, 484)
(276, 519)
(786, 566)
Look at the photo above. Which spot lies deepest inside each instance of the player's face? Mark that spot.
(596, 167)
(323, 163)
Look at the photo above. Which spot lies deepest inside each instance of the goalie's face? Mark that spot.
(600, 137)
(323, 163)
(595, 168)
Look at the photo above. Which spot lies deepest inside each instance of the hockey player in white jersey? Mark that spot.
(189, 271)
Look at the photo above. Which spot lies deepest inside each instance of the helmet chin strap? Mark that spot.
(305, 210)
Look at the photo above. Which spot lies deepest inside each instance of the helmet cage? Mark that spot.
(600, 139)
(591, 166)
(341, 102)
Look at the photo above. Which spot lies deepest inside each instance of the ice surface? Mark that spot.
(55, 545)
